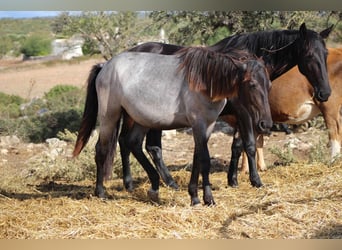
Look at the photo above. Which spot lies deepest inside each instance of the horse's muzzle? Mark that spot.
(322, 96)
(264, 127)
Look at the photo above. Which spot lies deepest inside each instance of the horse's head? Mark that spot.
(253, 95)
(312, 58)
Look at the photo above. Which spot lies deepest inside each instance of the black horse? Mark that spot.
(281, 50)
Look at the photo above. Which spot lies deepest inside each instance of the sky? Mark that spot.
(27, 14)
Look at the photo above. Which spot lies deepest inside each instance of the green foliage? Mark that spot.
(319, 152)
(59, 91)
(36, 46)
(5, 46)
(285, 155)
(13, 33)
(192, 27)
(219, 34)
(10, 105)
(108, 31)
(60, 109)
(90, 47)
(38, 128)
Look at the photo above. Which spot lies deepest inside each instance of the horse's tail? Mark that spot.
(90, 111)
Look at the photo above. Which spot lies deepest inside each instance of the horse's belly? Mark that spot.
(160, 116)
(305, 112)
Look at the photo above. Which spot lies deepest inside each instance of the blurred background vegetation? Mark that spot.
(107, 33)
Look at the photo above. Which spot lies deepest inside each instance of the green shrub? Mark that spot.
(38, 128)
(61, 108)
(5, 46)
(10, 106)
(36, 46)
(285, 155)
(63, 97)
(319, 152)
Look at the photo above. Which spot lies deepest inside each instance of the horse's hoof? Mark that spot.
(129, 188)
(208, 197)
(173, 185)
(153, 195)
(100, 193)
(233, 184)
(195, 201)
(210, 203)
(257, 184)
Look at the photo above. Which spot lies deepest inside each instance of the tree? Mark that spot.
(107, 32)
(203, 27)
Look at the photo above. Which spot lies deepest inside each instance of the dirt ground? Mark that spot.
(31, 79)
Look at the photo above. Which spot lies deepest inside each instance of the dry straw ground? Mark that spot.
(302, 200)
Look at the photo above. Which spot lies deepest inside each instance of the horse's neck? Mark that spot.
(283, 57)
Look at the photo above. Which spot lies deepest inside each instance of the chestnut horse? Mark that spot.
(292, 102)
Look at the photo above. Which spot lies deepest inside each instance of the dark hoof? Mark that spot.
(153, 195)
(257, 184)
(195, 201)
(129, 188)
(100, 193)
(173, 185)
(233, 184)
(208, 197)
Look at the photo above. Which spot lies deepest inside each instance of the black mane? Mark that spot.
(275, 48)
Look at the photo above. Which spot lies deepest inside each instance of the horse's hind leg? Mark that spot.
(125, 152)
(105, 150)
(134, 140)
(154, 148)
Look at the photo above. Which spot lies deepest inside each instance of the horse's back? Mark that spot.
(148, 86)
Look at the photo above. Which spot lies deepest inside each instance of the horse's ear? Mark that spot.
(302, 30)
(325, 33)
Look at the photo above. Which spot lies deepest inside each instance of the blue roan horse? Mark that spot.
(280, 50)
(188, 89)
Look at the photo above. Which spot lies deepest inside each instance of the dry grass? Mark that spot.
(297, 201)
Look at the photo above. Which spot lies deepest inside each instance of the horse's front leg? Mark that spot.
(250, 149)
(154, 148)
(237, 148)
(201, 163)
(249, 146)
(246, 131)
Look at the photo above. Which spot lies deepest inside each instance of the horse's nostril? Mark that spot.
(264, 127)
(322, 96)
